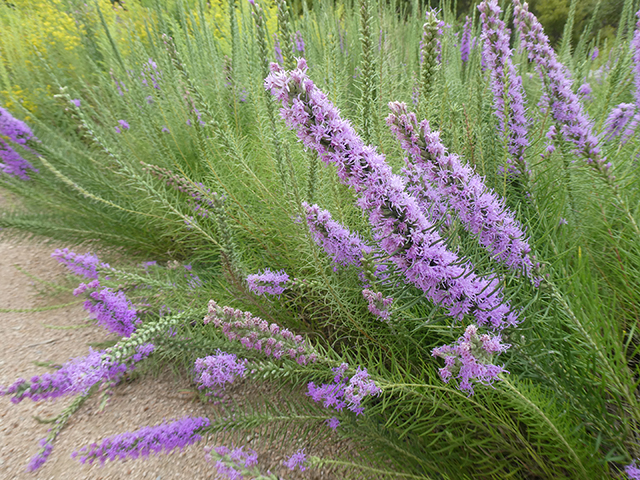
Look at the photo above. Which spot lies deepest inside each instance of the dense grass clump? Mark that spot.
(428, 224)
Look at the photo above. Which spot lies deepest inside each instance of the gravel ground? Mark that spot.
(28, 337)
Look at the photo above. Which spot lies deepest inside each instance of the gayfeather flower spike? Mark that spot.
(86, 264)
(76, 376)
(401, 229)
(14, 131)
(465, 41)
(164, 437)
(268, 282)
(255, 333)
(343, 247)
(566, 109)
(469, 359)
(235, 463)
(450, 181)
(635, 46)
(620, 122)
(506, 86)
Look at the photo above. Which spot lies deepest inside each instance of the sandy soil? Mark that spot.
(28, 337)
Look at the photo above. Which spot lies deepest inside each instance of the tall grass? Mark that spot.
(206, 174)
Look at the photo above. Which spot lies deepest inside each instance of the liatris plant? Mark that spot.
(429, 52)
(564, 105)
(342, 246)
(272, 283)
(14, 131)
(76, 376)
(401, 228)
(112, 310)
(458, 186)
(235, 463)
(465, 41)
(85, 264)
(141, 443)
(431, 250)
(506, 86)
(258, 334)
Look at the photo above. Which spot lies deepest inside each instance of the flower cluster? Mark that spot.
(255, 333)
(272, 283)
(111, 309)
(378, 304)
(566, 108)
(124, 125)
(85, 265)
(632, 471)
(233, 463)
(506, 85)
(76, 376)
(450, 181)
(17, 132)
(400, 227)
(344, 391)
(164, 437)
(296, 460)
(214, 371)
(344, 248)
(469, 359)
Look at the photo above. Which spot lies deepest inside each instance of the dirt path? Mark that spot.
(31, 337)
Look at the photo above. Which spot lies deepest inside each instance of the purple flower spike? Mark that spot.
(566, 109)
(296, 460)
(635, 47)
(299, 42)
(273, 283)
(233, 464)
(620, 122)
(113, 311)
(344, 248)
(76, 376)
(506, 86)
(41, 457)
(465, 42)
(14, 131)
(277, 49)
(469, 359)
(12, 163)
(255, 333)
(378, 304)
(123, 124)
(436, 176)
(400, 228)
(81, 264)
(147, 440)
